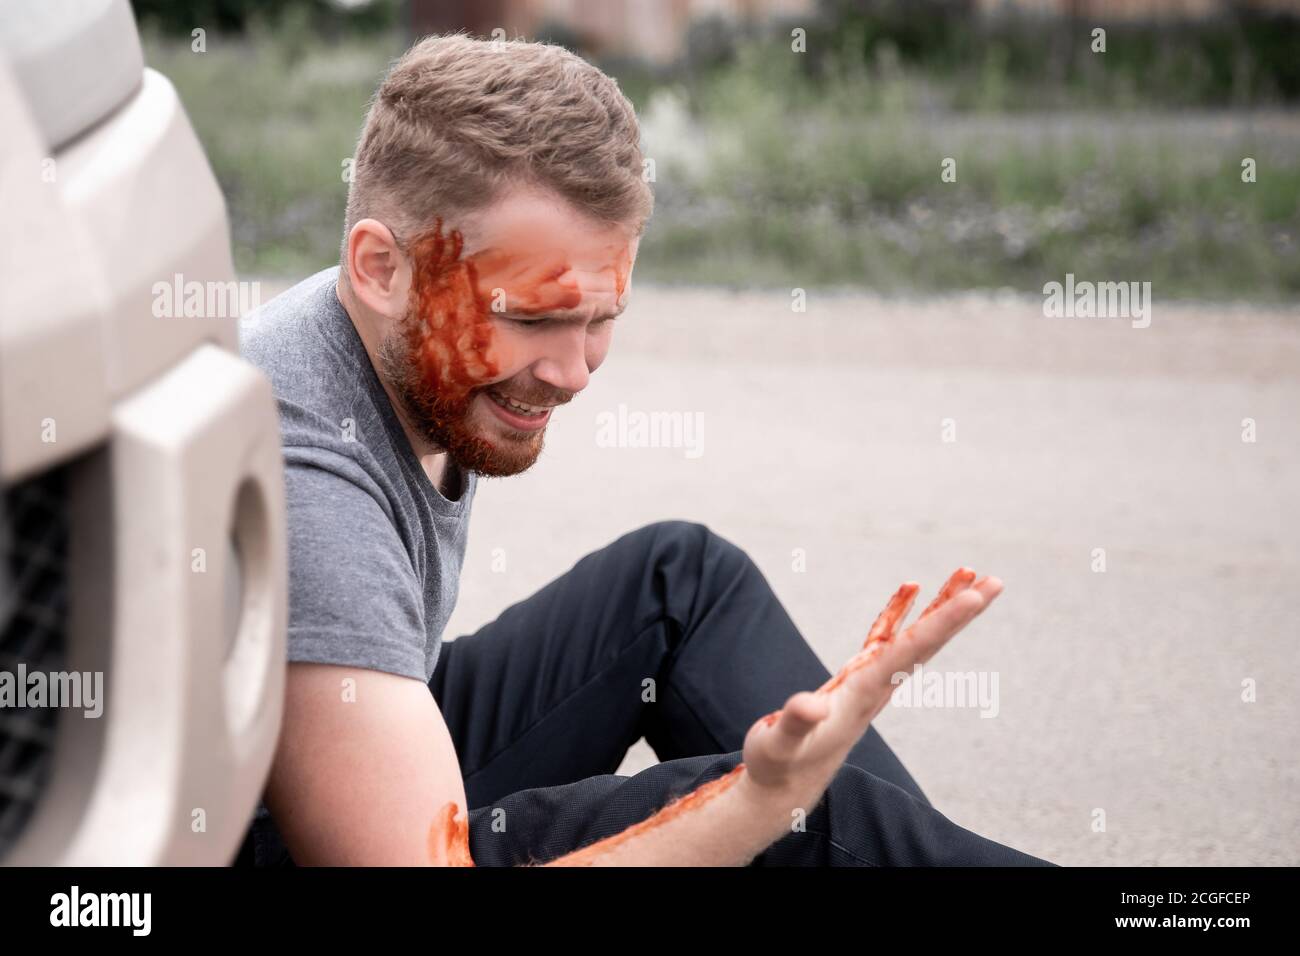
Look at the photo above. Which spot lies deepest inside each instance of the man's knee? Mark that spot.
(674, 530)
(676, 535)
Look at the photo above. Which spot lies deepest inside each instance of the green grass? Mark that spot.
(786, 181)
(841, 184)
(277, 122)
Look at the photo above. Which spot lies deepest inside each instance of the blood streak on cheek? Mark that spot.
(452, 335)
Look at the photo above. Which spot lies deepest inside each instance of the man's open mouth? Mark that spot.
(519, 408)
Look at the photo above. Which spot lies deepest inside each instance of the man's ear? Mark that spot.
(378, 271)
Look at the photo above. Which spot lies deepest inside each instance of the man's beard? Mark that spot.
(446, 423)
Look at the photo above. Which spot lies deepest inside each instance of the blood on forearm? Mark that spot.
(449, 837)
(690, 803)
(449, 834)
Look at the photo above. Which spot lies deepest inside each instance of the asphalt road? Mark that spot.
(1118, 691)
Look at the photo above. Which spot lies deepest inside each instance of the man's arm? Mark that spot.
(725, 822)
(363, 758)
(366, 771)
(363, 753)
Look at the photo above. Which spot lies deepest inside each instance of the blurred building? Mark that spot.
(1131, 9)
(656, 30)
(650, 29)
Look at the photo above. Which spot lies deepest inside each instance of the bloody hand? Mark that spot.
(796, 751)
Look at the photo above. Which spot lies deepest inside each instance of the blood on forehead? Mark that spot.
(529, 284)
(534, 274)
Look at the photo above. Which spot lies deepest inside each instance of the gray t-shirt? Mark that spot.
(375, 549)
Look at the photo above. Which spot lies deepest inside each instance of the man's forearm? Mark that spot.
(726, 822)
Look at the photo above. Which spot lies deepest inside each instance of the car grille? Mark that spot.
(33, 621)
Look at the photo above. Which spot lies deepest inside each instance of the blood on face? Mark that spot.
(453, 298)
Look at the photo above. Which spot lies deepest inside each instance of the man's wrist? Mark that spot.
(778, 804)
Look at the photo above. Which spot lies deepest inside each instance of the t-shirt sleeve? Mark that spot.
(354, 597)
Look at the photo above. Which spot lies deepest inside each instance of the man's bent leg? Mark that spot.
(670, 632)
(737, 655)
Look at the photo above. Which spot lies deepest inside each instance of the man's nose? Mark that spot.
(565, 363)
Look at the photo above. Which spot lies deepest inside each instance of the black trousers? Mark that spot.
(670, 633)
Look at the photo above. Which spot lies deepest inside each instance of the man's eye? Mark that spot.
(528, 322)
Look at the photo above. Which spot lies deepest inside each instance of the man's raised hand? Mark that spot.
(794, 752)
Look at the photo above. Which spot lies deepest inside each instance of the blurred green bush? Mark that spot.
(788, 169)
